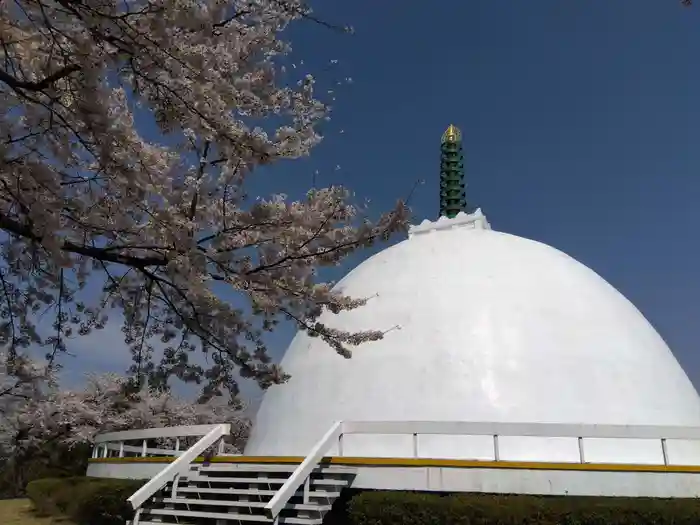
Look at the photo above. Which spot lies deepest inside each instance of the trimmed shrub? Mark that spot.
(53, 496)
(86, 501)
(103, 502)
(412, 508)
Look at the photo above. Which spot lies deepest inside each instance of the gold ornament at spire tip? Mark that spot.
(452, 134)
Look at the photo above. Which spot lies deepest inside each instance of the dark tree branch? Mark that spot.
(101, 254)
(40, 85)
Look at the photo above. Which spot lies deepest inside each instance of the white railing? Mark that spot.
(116, 441)
(541, 430)
(338, 430)
(303, 471)
(121, 450)
(179, 466)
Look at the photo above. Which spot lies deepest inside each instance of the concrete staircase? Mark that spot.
(220, 493)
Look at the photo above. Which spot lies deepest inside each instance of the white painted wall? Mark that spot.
(480, 326)
(503, 481)
(124, 470)
(537, 482)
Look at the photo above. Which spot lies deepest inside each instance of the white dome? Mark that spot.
(480, 326)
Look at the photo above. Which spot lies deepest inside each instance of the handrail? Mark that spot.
(180, 465)
(121, 448)
(476, 428)
(154, 433)
(303, 471)
(469, 428)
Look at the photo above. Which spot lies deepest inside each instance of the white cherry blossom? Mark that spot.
(35, 412)
(165, 225)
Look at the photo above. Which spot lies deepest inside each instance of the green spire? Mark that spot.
(452, 196)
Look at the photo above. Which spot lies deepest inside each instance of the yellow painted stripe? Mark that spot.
(420, 462)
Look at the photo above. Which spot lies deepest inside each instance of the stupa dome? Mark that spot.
(480, 326)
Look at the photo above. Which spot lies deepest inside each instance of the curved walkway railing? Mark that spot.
(497, 435)
(114, 444)
(581, 433)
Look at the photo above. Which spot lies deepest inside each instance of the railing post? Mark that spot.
(415, 445)
(177, 445)
(121, 449)
(581, 456)
(173, 491)
(496, 452)
(96, 451)
(307, 487)
(144, 448)
(340, 444)
(105, 450)
(221, 447)
(303, 472)
(664, 451)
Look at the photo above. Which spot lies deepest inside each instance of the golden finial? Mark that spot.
(452, 134)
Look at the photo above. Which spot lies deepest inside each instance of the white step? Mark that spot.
(254, 492)
(263, 481)
(274, 467)
(251, 504)
(228, 516)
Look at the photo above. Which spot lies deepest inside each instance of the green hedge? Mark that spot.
(411, 508)
(98, 501)
(85, 501)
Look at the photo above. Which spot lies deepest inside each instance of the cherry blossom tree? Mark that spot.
(22, 380)
(37, 418)
(164, 225)
(107, 404)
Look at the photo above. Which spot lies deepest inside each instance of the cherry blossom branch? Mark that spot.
(101, 254)
(171, 238)
(40, 85)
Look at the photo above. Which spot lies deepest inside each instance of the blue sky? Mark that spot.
(580, 121)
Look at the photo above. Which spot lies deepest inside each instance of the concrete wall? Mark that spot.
(524, 481)
(124, 470)
(581, 480)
